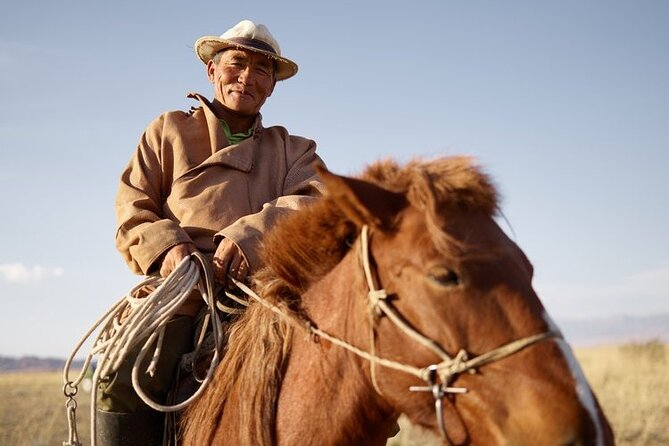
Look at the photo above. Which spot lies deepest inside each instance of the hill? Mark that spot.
(34, 364)
(579, 333)
(615, 330)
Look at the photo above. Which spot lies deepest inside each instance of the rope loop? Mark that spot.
(70, 404)
(138, 319)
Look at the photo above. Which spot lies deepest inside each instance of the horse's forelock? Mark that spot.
(451, 182)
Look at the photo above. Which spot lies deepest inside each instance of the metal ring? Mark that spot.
(70, 385)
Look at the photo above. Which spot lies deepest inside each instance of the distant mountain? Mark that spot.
(579, 333)
(615, 330)
(34, 364)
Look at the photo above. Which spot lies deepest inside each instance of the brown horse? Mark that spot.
(444, 287)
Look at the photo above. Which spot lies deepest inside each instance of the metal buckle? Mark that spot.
(439, 391)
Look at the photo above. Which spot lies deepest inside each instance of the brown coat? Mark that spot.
(187, 183)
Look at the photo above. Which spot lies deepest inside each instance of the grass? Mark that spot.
(631, 382)
(32, 410)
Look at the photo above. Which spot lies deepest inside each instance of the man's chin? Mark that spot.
(242, 110)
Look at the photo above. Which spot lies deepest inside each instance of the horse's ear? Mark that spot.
(363, 202)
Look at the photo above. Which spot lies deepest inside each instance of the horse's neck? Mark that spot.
(325, 386)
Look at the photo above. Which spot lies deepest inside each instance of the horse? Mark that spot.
(397, 293)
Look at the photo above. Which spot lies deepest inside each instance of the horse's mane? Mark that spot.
(301, 249)
(321, 234)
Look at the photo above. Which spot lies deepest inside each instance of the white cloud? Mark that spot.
(20, 273)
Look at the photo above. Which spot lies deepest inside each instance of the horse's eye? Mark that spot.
(350, 240)
(443, 276)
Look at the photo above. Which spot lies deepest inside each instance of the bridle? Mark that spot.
(438, 376)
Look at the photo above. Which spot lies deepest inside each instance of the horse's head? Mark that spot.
(453, 277)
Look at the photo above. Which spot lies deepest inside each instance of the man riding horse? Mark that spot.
(211, 180)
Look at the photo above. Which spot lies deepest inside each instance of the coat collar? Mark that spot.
(238, 156)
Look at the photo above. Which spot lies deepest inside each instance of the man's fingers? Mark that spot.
(229, 262)
(242, 271)
(220, 269)
(174, 256)
(235, 266)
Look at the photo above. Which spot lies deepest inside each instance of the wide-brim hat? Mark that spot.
(247, 35)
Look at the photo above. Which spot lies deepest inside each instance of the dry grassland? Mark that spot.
(32, 410)
(631, 382)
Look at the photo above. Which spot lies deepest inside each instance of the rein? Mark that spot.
(141, 320)
(437, 376)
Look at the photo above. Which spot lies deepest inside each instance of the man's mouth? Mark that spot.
(242, 93)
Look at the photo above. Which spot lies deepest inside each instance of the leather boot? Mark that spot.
(129, 429)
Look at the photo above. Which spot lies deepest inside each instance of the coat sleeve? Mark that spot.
(301, 187)
(143, 234)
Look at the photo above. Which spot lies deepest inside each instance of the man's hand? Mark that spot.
(229, 259)
(174, 256)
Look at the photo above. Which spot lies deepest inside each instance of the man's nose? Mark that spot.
(245, 75)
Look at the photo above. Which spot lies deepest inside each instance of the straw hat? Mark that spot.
(246, 35)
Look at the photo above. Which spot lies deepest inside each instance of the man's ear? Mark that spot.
(211, 70)
(363, 202)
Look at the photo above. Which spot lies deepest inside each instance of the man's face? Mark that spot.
(242, 80)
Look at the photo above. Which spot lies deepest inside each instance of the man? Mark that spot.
(212, 180)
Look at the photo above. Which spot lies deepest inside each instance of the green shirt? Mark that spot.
(235, 138)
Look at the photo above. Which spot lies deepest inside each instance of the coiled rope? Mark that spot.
(135, 320)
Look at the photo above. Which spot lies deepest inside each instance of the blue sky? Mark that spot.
(565, 104)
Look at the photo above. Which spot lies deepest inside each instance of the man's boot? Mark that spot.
(129, 429)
